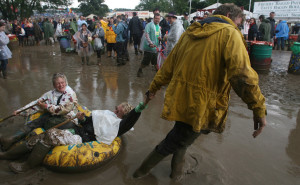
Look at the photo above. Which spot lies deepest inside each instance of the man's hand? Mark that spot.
(80, 115)
(42, 105)
(151, 45)
(259, 124)
(159, 38)
(148, 96)
(16, 113)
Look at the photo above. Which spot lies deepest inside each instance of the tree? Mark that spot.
(163, 5)
(96, 7)
(11, 9)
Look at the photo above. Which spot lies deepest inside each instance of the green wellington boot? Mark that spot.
(36, 158)
(15, 153)
(151, 160)
(177, 164)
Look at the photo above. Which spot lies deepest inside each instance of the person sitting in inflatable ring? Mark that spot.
(103, 126)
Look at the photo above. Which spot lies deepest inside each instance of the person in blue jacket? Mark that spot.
(282, 34)
(119, 29)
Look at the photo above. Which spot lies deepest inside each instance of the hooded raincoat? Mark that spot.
(174, 35)
(282, 30)
(200, 71)
(265, 30)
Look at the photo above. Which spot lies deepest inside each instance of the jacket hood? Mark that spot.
(176, 22)
(266, 20)
(283, 22)
(209, 26)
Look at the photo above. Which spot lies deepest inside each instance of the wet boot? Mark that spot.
(35, 158)
(4, 73)
(15, 153)
(7, 142)
(177, 164)
(151, 160)
(140, 72)
(136, 51)
(82, 61)
(87, 61)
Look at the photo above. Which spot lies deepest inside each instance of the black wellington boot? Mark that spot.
(36, 158)
(151, 160)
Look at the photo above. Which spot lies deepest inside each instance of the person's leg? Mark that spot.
(99, 57)
(40, 122)
(115, 50)
(176, 142)
(278, 43)
(82, 56)
(282, 43)
(86, 53)
(109, 49)
(3, 68)
(119, 49)
(145, 62)
(16, 152)
(154, 61)
(125, 52)
(135, 43)
(36, 157)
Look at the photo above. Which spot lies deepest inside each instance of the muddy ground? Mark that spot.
(233, 157)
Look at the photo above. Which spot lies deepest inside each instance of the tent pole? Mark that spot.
(190, 10)
(249, 5)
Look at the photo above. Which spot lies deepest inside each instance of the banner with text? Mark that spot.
(281, 8)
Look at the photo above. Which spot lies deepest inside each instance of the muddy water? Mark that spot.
(233, 157)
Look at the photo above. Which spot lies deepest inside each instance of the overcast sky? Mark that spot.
(112, 4)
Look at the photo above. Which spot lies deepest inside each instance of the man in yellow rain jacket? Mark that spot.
(207, 61)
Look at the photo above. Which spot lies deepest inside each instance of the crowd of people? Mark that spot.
(209, 58)
(268, 30)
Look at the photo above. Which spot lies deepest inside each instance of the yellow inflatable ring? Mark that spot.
(82, 157)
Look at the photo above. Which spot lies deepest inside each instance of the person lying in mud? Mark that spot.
(103, 126)
(61, 105)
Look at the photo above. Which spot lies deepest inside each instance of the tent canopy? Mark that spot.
(91, 16)
(216, 5)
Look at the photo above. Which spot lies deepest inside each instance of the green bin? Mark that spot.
(261, 56)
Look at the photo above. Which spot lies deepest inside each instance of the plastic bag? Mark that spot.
(98, 44)
(3, 55)
(142, 42)
(106, 125)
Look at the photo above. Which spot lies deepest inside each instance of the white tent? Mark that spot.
(91, 16)
(213, 6)
(216, 5)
